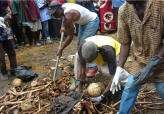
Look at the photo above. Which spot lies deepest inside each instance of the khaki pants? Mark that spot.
(103, 69)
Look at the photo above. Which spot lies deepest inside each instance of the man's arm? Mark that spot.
(70, 29)
(124, 53)
(24, 2)
(109, 55)
(81, 72)
(45, 4)
(161, 52)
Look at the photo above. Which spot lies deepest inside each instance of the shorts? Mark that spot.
(35, 26)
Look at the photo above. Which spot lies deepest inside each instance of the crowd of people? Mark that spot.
(138, 21)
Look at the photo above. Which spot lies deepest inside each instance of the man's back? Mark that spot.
(86, 15)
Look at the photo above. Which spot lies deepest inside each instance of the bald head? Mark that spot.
(89, 51)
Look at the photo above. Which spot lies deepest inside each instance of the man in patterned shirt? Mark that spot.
(141, 22)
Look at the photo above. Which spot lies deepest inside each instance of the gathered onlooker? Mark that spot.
(33, 17)
(6, 42)
(19, 40)
(57, 23)
(115, 5)
(47, 24)
(19, 14)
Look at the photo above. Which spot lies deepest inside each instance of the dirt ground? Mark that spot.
(43, 57)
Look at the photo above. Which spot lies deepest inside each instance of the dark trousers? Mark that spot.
(17, 31)
(116, 15)
(8, 46)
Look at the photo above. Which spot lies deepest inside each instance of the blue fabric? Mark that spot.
(130, 94)
(89, 6)
(25, 24)
(43, 12)
(47, 29)
(92, 64)
(86, 31)
(3, 34)
(117, 3)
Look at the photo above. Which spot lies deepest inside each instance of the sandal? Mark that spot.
(4, 77)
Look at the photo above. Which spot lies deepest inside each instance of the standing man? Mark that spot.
(74, 13)
(33, 17)
(19, 14)
(47, 24)
(143, 23)
(102, 50)
(6, 42)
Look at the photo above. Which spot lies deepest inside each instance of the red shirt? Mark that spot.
(33, 9)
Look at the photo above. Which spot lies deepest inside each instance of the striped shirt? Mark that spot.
(147, 35)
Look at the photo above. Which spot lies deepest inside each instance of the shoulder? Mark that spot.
(124, 9)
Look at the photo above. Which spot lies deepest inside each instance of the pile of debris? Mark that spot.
(46, 97)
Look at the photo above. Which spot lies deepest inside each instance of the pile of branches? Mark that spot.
(36, 98)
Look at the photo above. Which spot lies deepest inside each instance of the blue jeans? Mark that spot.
(130, 94)
(47, 29)
(86, 31)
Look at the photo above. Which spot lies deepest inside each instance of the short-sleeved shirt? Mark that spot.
(147, 35)
(33, 9)
(108, 50)
(43, 12)
(17, 8)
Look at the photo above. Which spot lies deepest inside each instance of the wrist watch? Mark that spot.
(102, 96)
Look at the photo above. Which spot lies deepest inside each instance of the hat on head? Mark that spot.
(89, 50)
(53, 6)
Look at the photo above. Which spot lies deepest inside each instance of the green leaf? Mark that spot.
(72, 80)
(129, 58)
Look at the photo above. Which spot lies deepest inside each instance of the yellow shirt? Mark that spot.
(104, 41)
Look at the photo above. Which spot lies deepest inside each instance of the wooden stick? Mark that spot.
(39, 102)
(21, 93)
(9, 109)
(142, 89)
(97, 110)
(155, 108)
(139, 111)
(143, 102)
(147, 92)
(116, 104)
(42, 108)
(109, 107)
(154, 104)
(3, 96)
(52, 91)
(11, 103)
(2, 107)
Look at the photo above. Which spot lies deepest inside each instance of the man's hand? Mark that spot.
(97, 99)
(146, 72)
(59, 53)
(117, 79)
(33, 19)
(20, 22)
(62, 30)
(97, 7)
